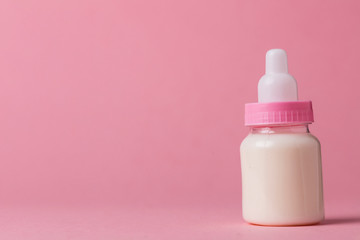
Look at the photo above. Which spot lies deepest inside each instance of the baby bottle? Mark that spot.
(280, 158)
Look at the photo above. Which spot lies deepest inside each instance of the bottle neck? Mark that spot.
(301, 128)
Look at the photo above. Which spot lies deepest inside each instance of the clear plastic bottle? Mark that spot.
(280, 159)
(281, 176)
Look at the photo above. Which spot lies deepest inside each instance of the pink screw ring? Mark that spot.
(278, 113)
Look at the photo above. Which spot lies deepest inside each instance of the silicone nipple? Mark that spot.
(277, 85)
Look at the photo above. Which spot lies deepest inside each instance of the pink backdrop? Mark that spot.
(140, 103)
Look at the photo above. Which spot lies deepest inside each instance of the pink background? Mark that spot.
(137, 106)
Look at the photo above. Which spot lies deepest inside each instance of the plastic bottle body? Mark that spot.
(281, 176)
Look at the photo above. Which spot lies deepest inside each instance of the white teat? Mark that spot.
(277, 85)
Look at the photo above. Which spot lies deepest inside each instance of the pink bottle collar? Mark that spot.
(278, 113)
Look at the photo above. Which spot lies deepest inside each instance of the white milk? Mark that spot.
(281, 177)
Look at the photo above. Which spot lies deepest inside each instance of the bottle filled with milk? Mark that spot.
(280, 159)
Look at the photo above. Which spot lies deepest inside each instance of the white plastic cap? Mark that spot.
(277, 85)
